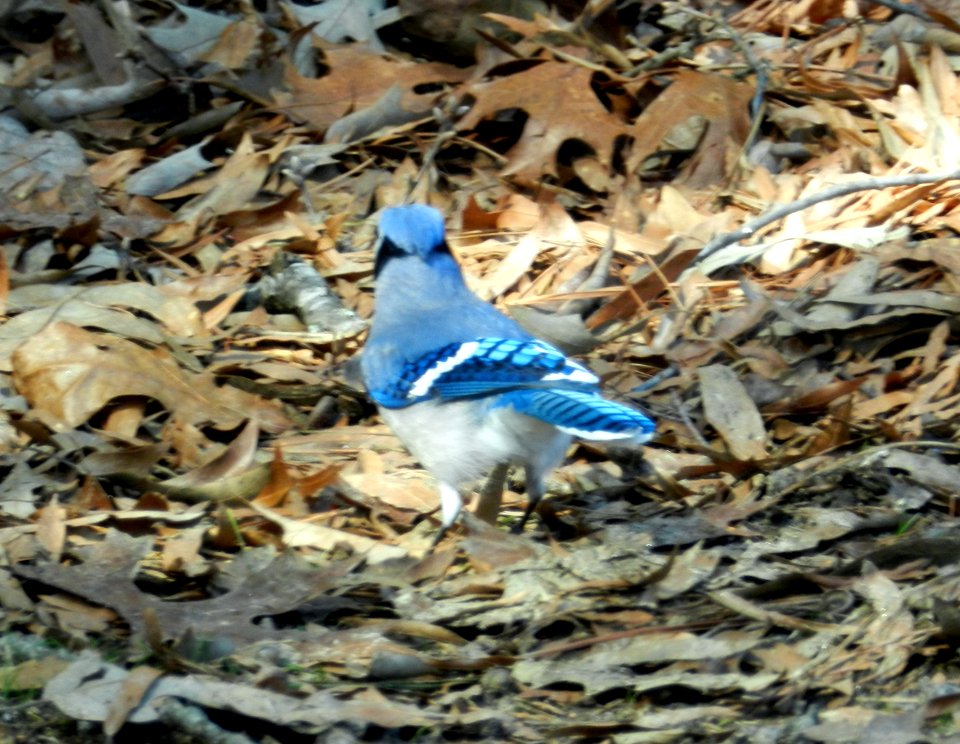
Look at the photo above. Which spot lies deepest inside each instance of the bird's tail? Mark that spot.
(583, 414)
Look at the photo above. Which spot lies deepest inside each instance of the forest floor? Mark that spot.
(743, 217)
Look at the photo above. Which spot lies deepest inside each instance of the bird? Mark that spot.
(463, 386)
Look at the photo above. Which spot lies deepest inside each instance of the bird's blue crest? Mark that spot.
(415, 228)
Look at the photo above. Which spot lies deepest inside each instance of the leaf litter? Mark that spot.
(744, 216)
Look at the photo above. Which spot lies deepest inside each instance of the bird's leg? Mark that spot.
(488, 502)
(436, 539)
(535, 490)
(450, 506)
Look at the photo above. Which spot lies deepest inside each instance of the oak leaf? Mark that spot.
(358, 79)
(561, 106)
(67, 374)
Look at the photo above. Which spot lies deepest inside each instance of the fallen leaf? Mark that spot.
(68, 374)
(51, 530)
(557, 98)
(356, 79)
(302, 533)
(729, 409)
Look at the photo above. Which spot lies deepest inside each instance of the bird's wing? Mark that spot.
(481, 367)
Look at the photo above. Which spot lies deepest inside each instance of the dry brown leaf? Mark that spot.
(32, 674)
(235, 44)
(554, 230)
(68, 374)
(280, 483)
(232, 187)
(4, 283)
(111, 307)
(181, 552)
(862, 725)
(112, 169)
(51, 528)
(872, 407)
(624, 242)
(237, 458)
(302, 533)
(721, 101)
(729, 409)
(131, 694)
(890, 635)
(782, 658)
(396, 489)
(690, 569)
(558, 99)
(357, 79)
(78, 617)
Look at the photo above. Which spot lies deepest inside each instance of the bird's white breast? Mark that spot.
(459, 441)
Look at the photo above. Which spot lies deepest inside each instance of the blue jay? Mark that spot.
(463, 386)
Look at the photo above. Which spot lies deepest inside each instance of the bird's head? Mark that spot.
(412, 231)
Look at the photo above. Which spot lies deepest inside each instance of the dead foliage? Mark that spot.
(746, 216)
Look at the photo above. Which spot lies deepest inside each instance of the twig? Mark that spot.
(730, 601)
(760, 68)
(664, 374)
(729, 32)
(667, 284)
(852, 460)
(443, 114)
(693, 431)
(597, 278)
(684, 49)
(842, 189)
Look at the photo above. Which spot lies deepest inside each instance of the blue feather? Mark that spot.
(482, 367)
(415, 229)
(580, 413)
